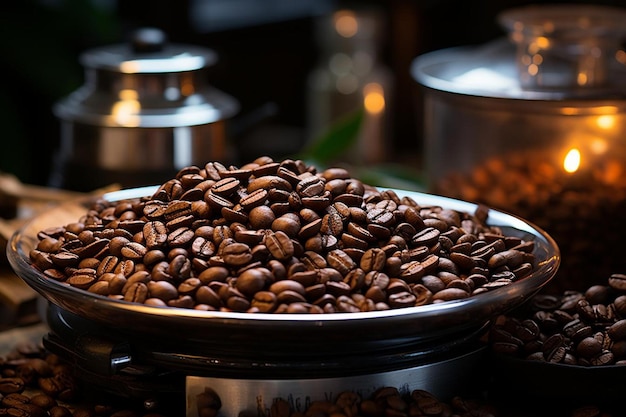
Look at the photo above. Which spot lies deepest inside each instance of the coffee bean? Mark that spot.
(374, 259)
(264, 301)
(137, 292)
(155, 234)
(311, 186)
(269, 182)
(618, 282)
(225, 187)
(133, 251)
(617, 330)
(449, 294)
(280, 245)
(162, 290)
(82, 278)
(340, 261)
(11, 385)
(252, 280)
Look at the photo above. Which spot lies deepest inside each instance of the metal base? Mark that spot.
(142, 370)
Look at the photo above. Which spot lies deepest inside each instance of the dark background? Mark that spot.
(265, 57)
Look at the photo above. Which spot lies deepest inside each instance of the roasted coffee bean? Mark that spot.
(373, 259)
(225, 187)
(11, 385)
(206, 295)
(82, 278)
(288, 223)
(155, 234)
(589, 347)
(179, 267)
(133, 251)
(182, 301)
(162, 290)
(287, 285)
(311, 186)
(269, 182)
(237, 254)
(449, 294)
(264, 301)
(252, 280)
(617, 330)
(618, 282)
(136, 292)
(412, 271)
(340, 261)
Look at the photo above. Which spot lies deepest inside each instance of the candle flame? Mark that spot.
(571, 163)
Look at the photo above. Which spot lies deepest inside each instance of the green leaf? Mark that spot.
(337, 140)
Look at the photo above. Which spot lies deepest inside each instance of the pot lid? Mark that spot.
(148, 52)
(147, 82)
(551, 53)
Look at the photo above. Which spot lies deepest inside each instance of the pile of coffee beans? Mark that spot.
(576, 328)
(280, 237)
(582, 211)
(37, 383)
(33, 383)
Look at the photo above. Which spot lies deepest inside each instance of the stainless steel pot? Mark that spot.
(534, 124)
(145, 111)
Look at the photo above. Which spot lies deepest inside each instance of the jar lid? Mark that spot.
(552, 52)
(148, 82)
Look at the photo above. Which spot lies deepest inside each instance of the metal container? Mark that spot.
(145, 111)
(534, 124)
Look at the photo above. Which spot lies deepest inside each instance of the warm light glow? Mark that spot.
(571, 163)
(125, 111)
(582, 78)
(373, 98)
(569, 111)
(598, 146)
(533, 48)
(606, 121)
(606, 110)
(346, 24)
(187, 85)
(543, 42)
(128, 94)
(533, 69)
(129, 67)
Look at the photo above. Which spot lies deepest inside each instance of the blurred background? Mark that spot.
(271, 53)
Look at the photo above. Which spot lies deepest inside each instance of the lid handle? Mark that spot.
(146, 40)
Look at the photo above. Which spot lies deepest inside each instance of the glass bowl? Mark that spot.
(425, 323)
